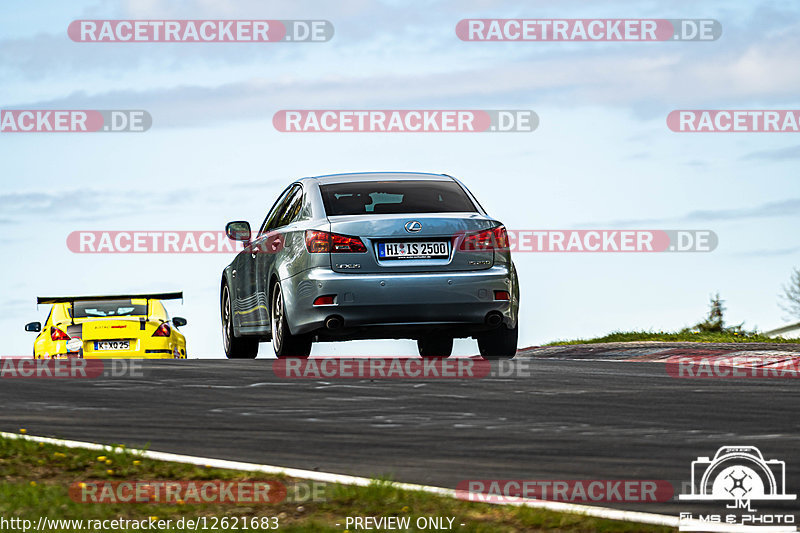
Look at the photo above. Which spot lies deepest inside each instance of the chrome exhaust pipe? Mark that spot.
(333, 322)
(494, 319)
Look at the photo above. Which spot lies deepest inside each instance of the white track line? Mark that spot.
(587, 510)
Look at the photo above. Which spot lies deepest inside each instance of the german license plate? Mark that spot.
(413, 250)
(111, 345)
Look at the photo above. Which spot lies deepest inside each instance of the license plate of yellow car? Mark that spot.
(111, 345)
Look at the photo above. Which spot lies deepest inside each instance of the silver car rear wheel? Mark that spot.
(500, 343)
(435, 346)
(235, 347)
(283, 342)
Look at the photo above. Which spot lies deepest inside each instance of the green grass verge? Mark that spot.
(35, 477)
(633, 336)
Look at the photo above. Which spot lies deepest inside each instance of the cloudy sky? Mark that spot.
(602, 156)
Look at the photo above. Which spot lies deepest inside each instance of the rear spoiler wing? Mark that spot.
(71, 299)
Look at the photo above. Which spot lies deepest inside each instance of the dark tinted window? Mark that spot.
(292, 210)
(109, 308)
(395, 197)
(274, 213)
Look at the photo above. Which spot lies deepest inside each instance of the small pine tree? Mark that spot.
(790, 299)
(715, 322)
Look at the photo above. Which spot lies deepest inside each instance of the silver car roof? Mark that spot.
(372, 176)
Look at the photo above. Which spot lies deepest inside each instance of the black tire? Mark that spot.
(283, 342)
(435, 346)
(500, 343)
(235, 347)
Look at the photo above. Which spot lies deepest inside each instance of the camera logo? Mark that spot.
(738, 475)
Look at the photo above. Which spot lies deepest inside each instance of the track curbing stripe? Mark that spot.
(587, 510)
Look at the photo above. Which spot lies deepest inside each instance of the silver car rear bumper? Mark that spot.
(407, 303)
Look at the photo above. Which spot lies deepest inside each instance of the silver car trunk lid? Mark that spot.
(411, 242)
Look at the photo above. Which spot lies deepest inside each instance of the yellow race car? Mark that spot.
(124, 326)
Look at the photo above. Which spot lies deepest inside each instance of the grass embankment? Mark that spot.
(35, 478)
(641, 336)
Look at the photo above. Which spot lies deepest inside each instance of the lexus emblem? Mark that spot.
(413, 226)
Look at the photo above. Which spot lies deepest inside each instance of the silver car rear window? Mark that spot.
(395, 197)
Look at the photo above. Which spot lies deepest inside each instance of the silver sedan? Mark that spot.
(371, 256)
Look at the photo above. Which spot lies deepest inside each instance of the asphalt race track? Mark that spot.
(579, 415)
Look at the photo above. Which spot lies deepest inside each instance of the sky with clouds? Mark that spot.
(602, 156)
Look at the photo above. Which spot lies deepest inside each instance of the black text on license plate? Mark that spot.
(412, 250)
(111, 345)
